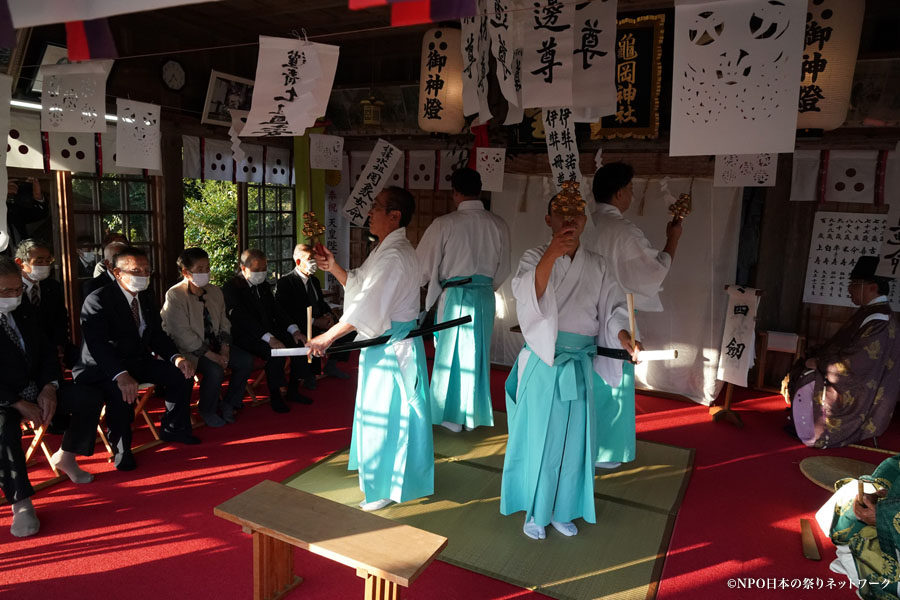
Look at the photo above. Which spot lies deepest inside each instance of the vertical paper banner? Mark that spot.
(484, 68)
(137, 135)
(73, 98)
(889, 265)
(337, 228)
(559, 128)
(804, 175)
(469, 48)
(547, 45)
(490, 165)
(379, 167)
(738, 340)
(503, 47)
(594, 61)
(190, 163)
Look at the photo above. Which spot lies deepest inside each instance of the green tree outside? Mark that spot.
(210, 222)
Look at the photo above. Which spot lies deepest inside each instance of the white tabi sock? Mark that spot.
(65, 462)
(376, 505)
(454, 427)
(607, 465)
(568, 529)
(533, 530)
(25, 522)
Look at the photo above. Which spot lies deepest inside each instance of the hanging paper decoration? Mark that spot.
(74, 152)
(73, 98)
(638, 70)
(594, 64)
(515, 111)
(851, 176)
(451, 160)
(397, 176)
(89, 40)
(737, 354)
(358, 161)
(108, 156)
(548, 47)
(27, 13)
(440, 82)
(337, 228)
(5, 96)
(747, 170)
(889, 263)
(238, 122)
(250, 167)
(804, 175)
(24, 141)
(736, 66)
(191, 161)
(325, 151)
(503, 46)
(279, 169)
(490, 165)
(421, 169)
(217, 162)
(484, 59)
(470, 48)
(137, 135)
(833, 30)
(292, 86)
(380, 165)
(559, 128)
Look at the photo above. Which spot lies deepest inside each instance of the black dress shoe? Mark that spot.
(180, 437)
(296, 396)
(124, 461)
(310, 383)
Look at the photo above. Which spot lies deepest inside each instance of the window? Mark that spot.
(114, 203)
(271, 224)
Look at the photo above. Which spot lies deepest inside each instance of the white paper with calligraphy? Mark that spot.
(24, 141)
(74, 97)
(559, 129)
(503, 45)
(746, 170)
(738, 351)
(279, 169)
(889, 265)
(735, 73)
(838, 239)
(250, 168)
(337, 228)
(804, 175)
(378, 170)
(547, 39)
(469, 49)
(137, 135)
(326, 151)
(450, 161)
(484, 67)
(421, 167)
(218, 163)
(851, 176)
(73, 152)
(190, 152)
(490, 164)
(5, 95)
(594, 61)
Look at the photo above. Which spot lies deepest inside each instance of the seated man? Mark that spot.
(865, 532)
(298, 290)
(31, 390)
(846, 390)
(87, 258)
(106, 275)
(259, 325)
(122, 332)
(45, 295)
(113, 237)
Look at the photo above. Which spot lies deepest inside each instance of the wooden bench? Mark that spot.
(386, 554)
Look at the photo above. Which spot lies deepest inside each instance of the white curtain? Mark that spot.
(694, 297)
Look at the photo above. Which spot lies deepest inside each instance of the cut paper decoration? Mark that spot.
(108, 143)
(238, 121)
(381, 163)
(326, 151)
(278, 166)
(451, 160)
(73, 98)
(137, 135)
(559, 129)
(746, 170)
(24, 141)
(804, 175)
(889, 263)
(250, 168)
(421, 167)
(594, 60)
(598, 159)
(217, 162)
(490, 165)
(190, 162)
(738, 352)
(735, 72)
(851, 176)
(337, 228)
(27, 13)
(548, 45)
(292, 86)
(74, 152)
(5, 96)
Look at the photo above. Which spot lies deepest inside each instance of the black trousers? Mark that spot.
(300, 367)
(120, 415)
(81, 402)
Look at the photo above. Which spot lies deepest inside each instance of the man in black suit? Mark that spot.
(259, 325)
(31, 390)
(45, 295)
(122, 331)
(295, 292)
(106, 275)
(25, 204)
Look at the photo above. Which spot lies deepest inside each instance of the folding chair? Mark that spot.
(145, 392)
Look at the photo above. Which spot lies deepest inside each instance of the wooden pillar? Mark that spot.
(309, 187)
(273, 568)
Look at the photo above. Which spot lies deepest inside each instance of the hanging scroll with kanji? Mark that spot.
(547, 40)
(594, 64)
(638, 71)
(889, 265)
(562, 150)
(374, 177)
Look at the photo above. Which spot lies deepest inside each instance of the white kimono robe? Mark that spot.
(549, 464)
(392, 441)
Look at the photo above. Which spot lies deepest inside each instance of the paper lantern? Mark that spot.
(833, 29)
(440, 82)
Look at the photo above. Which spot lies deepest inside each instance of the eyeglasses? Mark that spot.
(138, 272)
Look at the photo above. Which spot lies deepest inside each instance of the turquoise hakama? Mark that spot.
(615, 420)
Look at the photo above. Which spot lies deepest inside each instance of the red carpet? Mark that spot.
(151, 533)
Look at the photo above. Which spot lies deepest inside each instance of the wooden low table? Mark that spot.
(386, 554)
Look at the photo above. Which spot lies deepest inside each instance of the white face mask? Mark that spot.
(39, 273)
(136, 283)
(88, 256)
(7, 305)
(256, 277)
(200, 279)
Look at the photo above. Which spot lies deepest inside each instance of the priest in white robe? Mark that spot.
(640, 270)
(567, 305)
(469, 243)
(391, 444)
